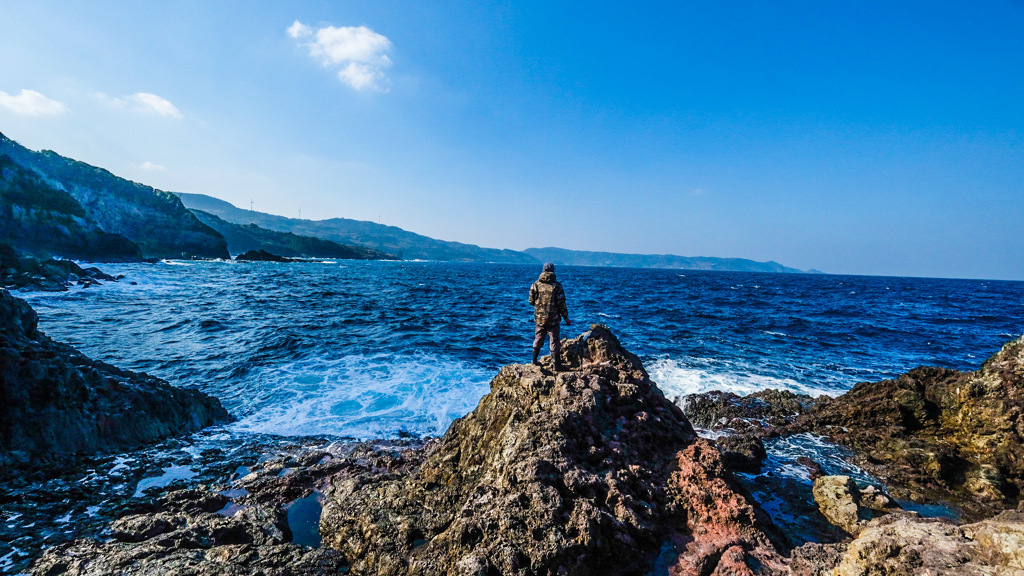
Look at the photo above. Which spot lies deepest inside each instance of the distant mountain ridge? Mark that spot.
(391, 239)
(612, 259)
(155, 221)
(246, 237)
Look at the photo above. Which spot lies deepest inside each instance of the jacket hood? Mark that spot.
(547, 277)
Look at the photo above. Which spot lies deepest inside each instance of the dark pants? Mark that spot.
(551, 331)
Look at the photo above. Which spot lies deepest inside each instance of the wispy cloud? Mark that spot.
(358, 54)
(146, 103)
(31, 103)
(147, 165)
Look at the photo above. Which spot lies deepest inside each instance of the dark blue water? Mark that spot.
(372, 349)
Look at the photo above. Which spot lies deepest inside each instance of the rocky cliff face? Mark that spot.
(154, 220)
(588, 471)
(56, 403)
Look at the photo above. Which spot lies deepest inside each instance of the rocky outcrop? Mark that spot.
(249, 237)
(936, 434)
(28, 273)
(152, 220)
(905, 543)
(586, 471)
(55, 403)
(261, 256)
(246, 524)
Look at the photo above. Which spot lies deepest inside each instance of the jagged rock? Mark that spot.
(716, 410)
(56, 403)
(587, 471)
(847, 506)
(261, 256)
(935, 434)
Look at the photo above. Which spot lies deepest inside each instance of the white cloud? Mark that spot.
(31, 103)
(155, 104)
(144, 102)
(357, 53)
(147, 165)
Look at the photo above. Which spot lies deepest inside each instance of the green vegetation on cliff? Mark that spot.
(243, 238)
(40, 219)
(153, 220)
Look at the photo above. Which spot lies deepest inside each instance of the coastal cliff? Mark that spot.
(44, 220)
(56, 404)
(127, 213)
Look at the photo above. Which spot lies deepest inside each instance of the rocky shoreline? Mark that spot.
(586, 471)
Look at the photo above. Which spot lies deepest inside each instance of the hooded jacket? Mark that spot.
(548, 299)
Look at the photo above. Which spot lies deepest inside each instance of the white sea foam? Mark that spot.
(834, 459)
(169, 475)
(678, 378)
(363, 396)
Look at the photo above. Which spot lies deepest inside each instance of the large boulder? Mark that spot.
(587, 471)
(848, 506)
(55, 403)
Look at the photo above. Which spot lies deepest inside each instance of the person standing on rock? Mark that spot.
(548, 299)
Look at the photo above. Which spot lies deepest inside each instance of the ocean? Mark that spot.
(384, 349)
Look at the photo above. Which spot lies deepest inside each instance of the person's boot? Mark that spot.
(535, 361)
(557, 362)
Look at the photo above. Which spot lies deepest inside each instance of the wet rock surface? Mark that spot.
(56, 404)
(587, 471)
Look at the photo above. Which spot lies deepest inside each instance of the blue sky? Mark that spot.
(863, 138)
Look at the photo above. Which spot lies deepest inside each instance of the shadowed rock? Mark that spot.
(587, 471)
(56, 403)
